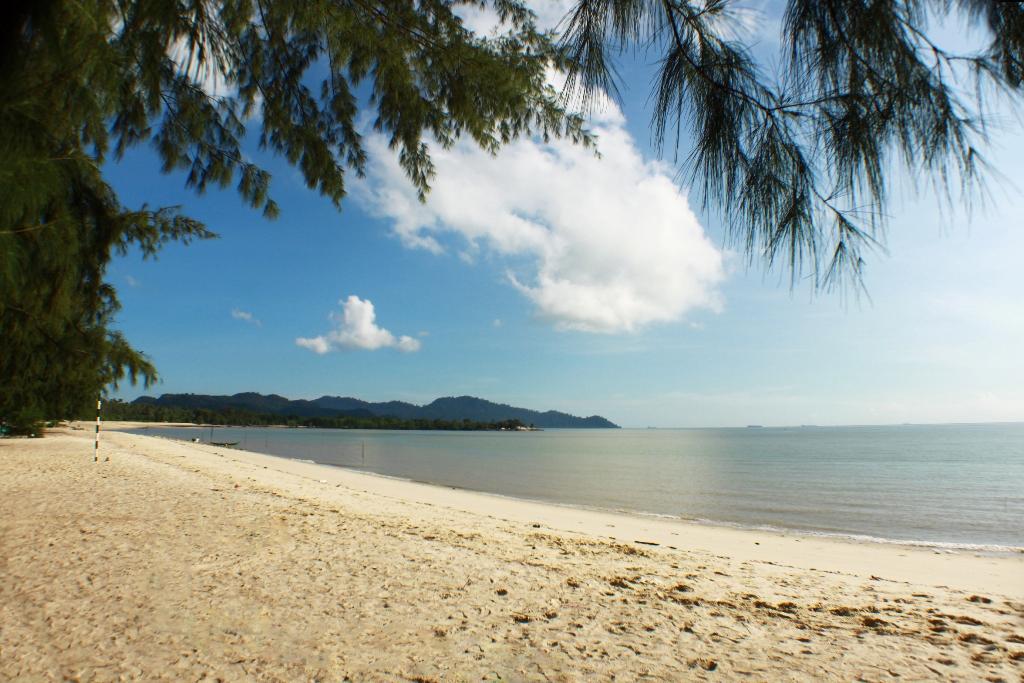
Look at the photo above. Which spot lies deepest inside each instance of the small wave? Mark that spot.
(862, 538)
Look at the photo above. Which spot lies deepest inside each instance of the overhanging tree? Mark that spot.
(85, 81)
(798, 164)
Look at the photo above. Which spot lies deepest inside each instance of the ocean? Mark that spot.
(956, 486)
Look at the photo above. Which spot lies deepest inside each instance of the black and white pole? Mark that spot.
(96, 449)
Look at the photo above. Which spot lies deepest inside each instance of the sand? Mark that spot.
(178, 561)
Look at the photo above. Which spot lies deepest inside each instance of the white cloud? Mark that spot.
(318, 345)
(132, 282)
(245, 316)
(356, 328)
(497, 322)
(207, 75)
(484, 21)
(609, 244)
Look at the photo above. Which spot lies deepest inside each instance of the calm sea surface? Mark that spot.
(946, 484)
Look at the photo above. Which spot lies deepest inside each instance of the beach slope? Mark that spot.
(181, 561)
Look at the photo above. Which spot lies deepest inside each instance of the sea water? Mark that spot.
(947, 485)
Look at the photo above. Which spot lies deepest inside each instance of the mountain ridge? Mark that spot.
(443, 408)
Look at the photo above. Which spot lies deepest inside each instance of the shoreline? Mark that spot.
(938, 547)
(182, 561)
(987, 549)
(970, 569)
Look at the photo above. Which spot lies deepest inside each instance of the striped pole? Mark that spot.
(96, 449)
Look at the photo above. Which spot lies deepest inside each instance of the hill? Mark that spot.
(448, 408)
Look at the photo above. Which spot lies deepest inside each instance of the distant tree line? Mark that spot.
(142, 412)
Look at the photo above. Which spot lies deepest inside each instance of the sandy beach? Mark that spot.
(177, 561)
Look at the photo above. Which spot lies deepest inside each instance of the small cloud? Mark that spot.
(423, 333)
(317, 345)
(356, 329)
(132, 282)
(245, 316)
(497, 322)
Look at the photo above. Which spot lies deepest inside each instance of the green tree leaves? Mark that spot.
(88, 80)
(799, 162)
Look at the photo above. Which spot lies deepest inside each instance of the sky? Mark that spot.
(550, 278)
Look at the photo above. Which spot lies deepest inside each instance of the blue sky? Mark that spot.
(548, 279)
